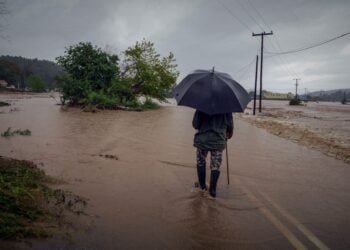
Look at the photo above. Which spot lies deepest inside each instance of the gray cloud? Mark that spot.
(201, 33)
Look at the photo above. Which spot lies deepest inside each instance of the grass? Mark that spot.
(9, 133)
(28, 206)
(22, 195)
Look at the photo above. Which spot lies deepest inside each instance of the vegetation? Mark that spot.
(344, 100)
(4, 104)
(8, 132)
(93, 77)
(268, 95)
(85, 62)
(295, 101)
(22, 194)
(147, 73)
(35, 83)
(16, 70)
(28, 206)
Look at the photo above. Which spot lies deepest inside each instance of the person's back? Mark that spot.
(212, 133)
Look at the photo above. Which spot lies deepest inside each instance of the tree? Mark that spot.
(85, 62)
(146, 72)
(35, 84)
(9, 71)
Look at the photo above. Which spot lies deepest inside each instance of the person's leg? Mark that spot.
(201, 164)
(215, 162)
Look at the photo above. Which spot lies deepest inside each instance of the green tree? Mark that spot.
(147, 73)
(73, 91)
(85, 62)
(9, 71)
(34, 83)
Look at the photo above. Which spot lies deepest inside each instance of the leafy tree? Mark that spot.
(34, 83)
(9, 71)
(121, 90)
(85, 62)
(147, 73)
(73, 91)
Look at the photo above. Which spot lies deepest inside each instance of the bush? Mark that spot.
(35, 83)
(72, 90)
(100, 100)
(121, 90)
(8, 132)
(149, 104)
(294, 102)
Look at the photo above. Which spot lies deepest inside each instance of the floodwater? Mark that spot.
(329, 119)
(281, 195)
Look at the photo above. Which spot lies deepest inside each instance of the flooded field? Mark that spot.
(137, 169)
(324, 126)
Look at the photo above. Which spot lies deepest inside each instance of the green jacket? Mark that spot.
(211, 130)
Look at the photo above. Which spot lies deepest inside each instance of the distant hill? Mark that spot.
(16, 69)
(335, 95)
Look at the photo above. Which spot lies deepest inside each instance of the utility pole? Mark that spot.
(261, 61)
(305, 93)
(296, 87)
(256, 80)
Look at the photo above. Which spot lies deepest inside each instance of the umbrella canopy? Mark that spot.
(211, 92)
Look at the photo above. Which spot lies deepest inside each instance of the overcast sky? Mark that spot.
(201, 34)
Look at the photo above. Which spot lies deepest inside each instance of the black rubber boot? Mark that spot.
(201, 178)
(214, 176)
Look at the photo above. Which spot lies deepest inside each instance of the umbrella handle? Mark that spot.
(228, 174)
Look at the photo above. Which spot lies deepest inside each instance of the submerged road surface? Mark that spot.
(281, 196)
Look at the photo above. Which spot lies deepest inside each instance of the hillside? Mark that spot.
(335, 95)
(15, 70)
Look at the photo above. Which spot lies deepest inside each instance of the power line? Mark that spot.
(274, 41)
(234, 15)
(244, 72)
(284, 62)
(308, 47)
(245, 66)
(259, 14)
(248, 13)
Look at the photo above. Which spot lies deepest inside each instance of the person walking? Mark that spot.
(211, 136)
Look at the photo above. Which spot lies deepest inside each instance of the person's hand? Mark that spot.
(229, 134)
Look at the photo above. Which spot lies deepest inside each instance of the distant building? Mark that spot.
(3, 84)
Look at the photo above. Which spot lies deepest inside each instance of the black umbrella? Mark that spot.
(211, 92)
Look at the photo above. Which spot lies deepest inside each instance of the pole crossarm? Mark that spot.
(263, 33)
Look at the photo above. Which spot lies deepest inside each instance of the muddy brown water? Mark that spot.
(145, 200)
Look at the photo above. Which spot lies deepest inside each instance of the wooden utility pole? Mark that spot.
(296, 87)
(261, 61)
(256, 80)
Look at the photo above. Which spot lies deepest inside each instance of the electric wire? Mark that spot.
(236, 17)
(274, 41)
(245, 66)
(308, 47)
(248, 13)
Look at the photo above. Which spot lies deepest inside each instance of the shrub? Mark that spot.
(100, 100)
(35, 84)
(149, 104)
(72, 90)
(294, 102)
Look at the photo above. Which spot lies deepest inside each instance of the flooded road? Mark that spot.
(281, 196)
